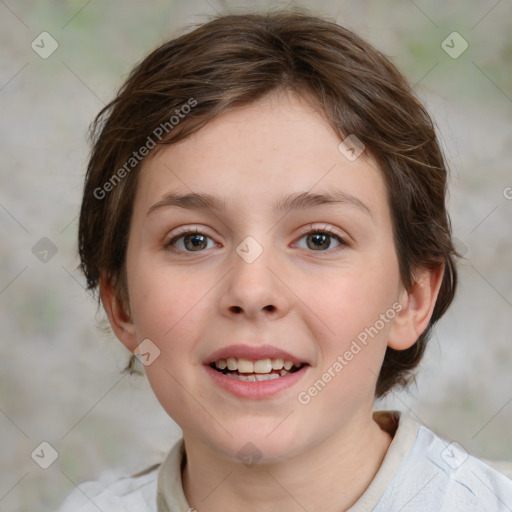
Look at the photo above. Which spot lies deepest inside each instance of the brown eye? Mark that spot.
(193, 241)
(321, 241)
(318, 241)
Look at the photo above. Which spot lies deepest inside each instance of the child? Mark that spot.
(264, 218)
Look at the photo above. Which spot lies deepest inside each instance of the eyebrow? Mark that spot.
(292, 202)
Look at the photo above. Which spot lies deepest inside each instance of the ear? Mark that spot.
(120, 319)
(417, 307)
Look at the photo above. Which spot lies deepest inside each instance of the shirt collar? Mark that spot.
(403, 429)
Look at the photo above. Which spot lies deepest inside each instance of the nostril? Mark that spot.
(236, 309)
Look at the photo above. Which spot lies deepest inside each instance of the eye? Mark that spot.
(189, 241)
(320, 239)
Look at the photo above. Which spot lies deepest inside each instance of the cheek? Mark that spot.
(160, 298)
(356, 313)
(166, 309)
(174, 393)
(169, 308)
(353, 299)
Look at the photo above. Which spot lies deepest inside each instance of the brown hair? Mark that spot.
(234, 60)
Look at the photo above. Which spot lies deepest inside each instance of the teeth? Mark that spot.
(266, 377)
(277, 364)
(245, 366)
(222, 364)
(253, 377)
(261, 366)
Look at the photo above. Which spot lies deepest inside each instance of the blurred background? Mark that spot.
(60, 380)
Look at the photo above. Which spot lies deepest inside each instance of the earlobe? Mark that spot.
(120, 319)
(417, 308)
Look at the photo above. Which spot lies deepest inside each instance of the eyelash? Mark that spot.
(311, 230)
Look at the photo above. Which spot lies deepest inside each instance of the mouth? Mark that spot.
(256, 371)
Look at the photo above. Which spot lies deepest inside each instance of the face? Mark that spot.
(264, 275)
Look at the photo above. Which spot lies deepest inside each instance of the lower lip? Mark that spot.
(255, 390)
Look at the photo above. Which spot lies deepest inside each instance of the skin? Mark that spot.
(190, 304)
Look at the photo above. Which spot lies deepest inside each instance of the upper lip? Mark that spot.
(252, 353)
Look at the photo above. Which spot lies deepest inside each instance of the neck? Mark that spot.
(330, 477)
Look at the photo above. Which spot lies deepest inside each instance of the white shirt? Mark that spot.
(421, 472)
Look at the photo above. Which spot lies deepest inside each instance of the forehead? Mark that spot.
(252, 157)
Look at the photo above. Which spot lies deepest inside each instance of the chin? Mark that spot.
(249, 445)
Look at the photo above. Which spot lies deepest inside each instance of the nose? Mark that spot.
(254, 289)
